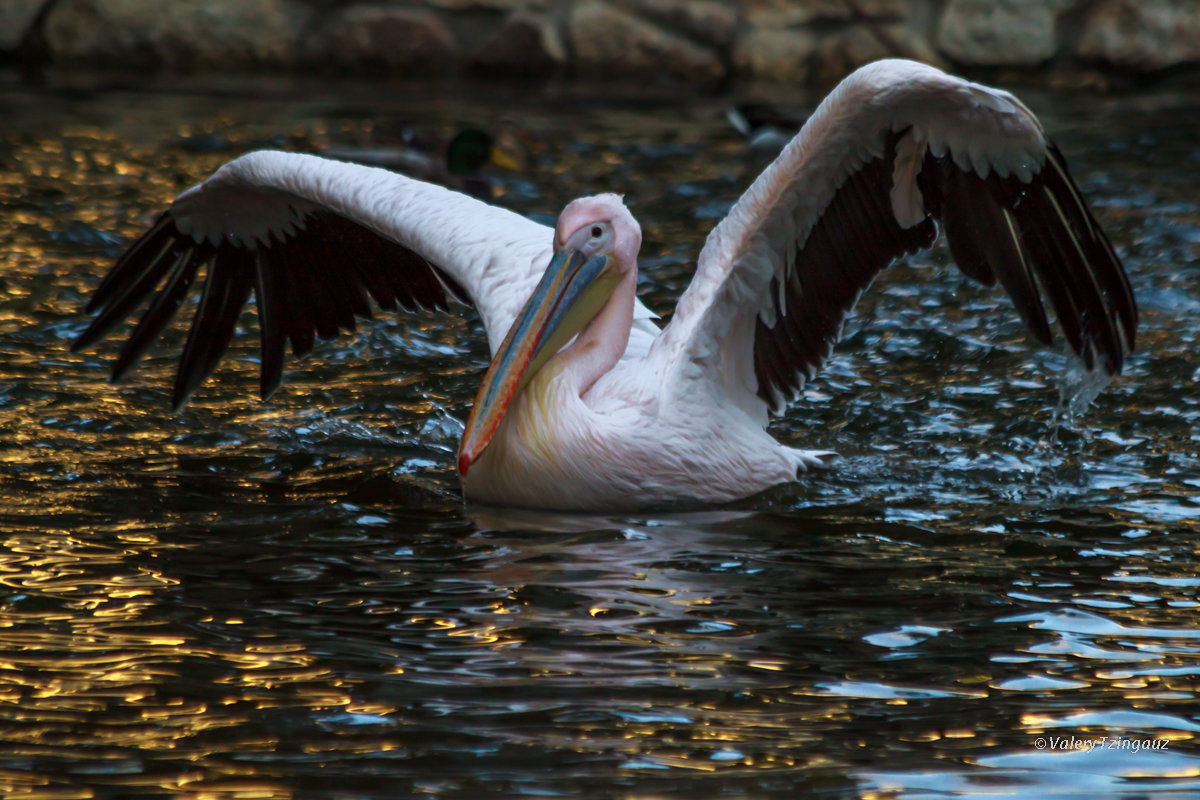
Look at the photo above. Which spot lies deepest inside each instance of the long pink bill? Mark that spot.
(569, 295)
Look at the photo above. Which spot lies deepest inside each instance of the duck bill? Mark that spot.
(569, 295)
(504, 159)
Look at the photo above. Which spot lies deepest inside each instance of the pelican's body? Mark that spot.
(616, 446)
(587, 404)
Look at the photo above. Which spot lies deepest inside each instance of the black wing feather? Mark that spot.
(856, 237)
(131, 264)
(226, 290)
(164, 306)
(122, 299)
(272, 323)
(1021, 235)
(1098, 251)
(312, 283)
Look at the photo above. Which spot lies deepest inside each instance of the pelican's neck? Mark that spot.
(599, 346)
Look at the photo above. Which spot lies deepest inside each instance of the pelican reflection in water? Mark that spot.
(587, 404)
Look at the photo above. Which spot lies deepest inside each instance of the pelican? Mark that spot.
(586, 403)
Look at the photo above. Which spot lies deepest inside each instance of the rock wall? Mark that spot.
(694, 41)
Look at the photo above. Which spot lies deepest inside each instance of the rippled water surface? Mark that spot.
(290, 599)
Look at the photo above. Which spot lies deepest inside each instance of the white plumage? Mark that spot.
(625, 415)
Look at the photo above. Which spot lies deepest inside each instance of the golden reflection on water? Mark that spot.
(204, 604)
(86, 673)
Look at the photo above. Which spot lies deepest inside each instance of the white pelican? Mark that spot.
(586, 403)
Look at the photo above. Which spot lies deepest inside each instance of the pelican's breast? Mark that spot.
(617, 445)
(536, 447)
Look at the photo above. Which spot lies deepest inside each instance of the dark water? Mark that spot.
(247, 600)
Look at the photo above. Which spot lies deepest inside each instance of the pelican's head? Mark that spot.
(619, 233)
(596, 243)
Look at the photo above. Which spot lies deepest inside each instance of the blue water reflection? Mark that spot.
(291, 600)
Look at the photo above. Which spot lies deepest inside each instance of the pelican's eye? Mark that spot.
(591, 239)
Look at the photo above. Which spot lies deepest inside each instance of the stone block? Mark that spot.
(995, 33)
(181, 34)
(488, 5)
(713, 23)
(1143, 35)
(525, 44)
(606, 40)
(388, 40)
(789, 13)
(16, 18)
(775, 54)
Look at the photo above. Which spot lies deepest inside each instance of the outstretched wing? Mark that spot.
(314, 241)
(896, 148)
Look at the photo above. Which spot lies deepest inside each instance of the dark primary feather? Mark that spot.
(313, 283)
(1022, 235)
(855, 238)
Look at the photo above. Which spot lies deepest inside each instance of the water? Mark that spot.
(291, 600)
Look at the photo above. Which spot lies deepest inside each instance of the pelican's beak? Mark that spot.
(570, 294)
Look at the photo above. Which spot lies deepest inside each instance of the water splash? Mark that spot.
(1078, 388)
